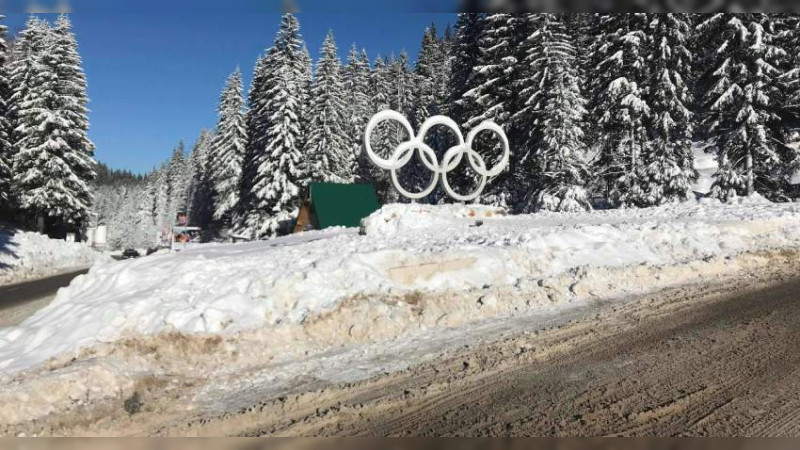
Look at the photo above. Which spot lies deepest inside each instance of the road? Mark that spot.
(725, 366)
(18, 301)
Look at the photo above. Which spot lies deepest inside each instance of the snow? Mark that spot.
(406, 249)
(25, 255)
(706, 166)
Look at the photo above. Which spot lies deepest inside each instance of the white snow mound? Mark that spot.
(393, 219)
(406, 249)
(25, 255)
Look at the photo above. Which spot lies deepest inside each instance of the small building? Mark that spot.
(335, 204)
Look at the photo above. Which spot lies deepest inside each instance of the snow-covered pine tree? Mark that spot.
(384, 138)
(245, 217)
(178, 178)
(552, 168)
(201, 185)
(428, 65)
(466, 52)
(308, 79)
(617, 72)
(787, 128)
(279, 176)
(123, 226)
(29, 44)
(124, 203)
(401, 81)
(356, 88)
(670, 166)
(53, 162)
(739, 100)
(24, 67)
(228, 148)
(73, 100)
(493, 95)
(161, 203)
(144, 213)
(328, 146)
(6, 153)
(441, 71)
(445, 73)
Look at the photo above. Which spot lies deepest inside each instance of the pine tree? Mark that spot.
(788, 127)
(402, 85)
(161, 211)
(178, 178)
(739, 102)
(356, 88)
(228, 147)
(552, 169)
(444, 75)
(280, 173)
(201, 187)
(670, 166)
(6, 154)
(328, 147)
(245, 216)
(24, 70)
(384, 138)
(53, 163)
(427, 68)
(305, 171)
(618, 74)
(493, 96)
(73, 102)
(144, 213)
(466, 53)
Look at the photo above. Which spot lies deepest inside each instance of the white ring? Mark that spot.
(491, 126)
(446, 184)
(388, 114)
(408, 148)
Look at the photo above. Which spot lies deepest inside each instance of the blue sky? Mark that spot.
(155, 77)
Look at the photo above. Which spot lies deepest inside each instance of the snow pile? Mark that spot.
(25, 255)
(408, 250)
(390, 219)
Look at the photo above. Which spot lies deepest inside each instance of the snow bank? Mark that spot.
(407, 251)
(391, 219)
(25, 255)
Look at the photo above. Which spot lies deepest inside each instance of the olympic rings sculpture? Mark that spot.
(451, 159)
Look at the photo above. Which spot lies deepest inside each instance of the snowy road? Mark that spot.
(20, 300)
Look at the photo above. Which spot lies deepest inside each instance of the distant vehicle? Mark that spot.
(151, 250)
(130, 253)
